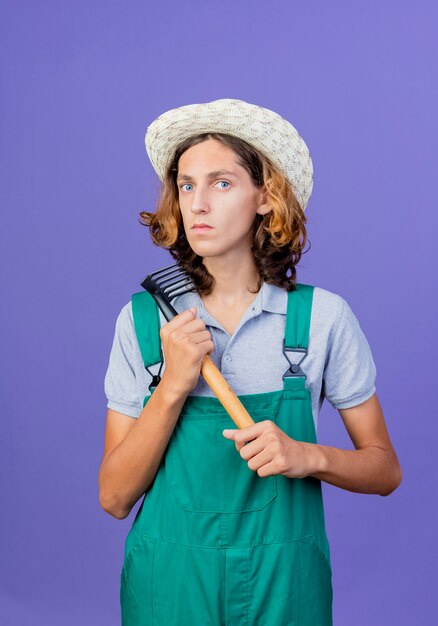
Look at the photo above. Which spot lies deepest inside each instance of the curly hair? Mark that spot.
(279, 236)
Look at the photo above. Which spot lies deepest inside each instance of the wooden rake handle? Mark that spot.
(225, 394)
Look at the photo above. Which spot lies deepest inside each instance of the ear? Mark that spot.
(263, 207)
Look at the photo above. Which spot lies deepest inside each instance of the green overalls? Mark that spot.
(213, 543)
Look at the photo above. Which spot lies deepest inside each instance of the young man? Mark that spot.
(229, 533)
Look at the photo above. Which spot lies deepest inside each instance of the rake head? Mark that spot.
(165, 285)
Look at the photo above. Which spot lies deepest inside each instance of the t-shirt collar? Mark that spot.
(269, 298)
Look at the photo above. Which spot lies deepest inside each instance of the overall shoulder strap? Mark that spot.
(299, 309)
(296, 340)
(147, 327)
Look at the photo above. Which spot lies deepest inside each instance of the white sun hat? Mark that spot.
(267, 131)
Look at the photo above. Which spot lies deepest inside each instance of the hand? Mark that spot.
(185, 341)
(271, 451)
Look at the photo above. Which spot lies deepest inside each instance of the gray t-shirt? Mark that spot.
(339, 365)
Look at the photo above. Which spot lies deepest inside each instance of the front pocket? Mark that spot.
(206, 473)
(187, 586)
(136, 600)
(315, 584)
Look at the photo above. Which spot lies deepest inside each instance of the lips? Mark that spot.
(196, 226)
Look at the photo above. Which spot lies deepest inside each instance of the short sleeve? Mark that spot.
(350, 371)
(120, 382)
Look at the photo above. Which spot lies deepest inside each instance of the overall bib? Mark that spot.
(213, 543)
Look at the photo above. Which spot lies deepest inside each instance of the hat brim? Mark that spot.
(264, 129)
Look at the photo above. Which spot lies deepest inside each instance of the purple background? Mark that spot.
(80, 82)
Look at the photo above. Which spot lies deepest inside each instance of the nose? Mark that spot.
(199, 200)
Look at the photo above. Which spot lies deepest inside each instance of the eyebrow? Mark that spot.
(210, 175)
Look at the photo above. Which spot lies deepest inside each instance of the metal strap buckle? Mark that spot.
(294, 370)
(155, 377)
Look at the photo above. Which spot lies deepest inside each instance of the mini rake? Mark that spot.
(168, 283)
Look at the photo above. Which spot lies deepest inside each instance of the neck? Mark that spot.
(232, 280)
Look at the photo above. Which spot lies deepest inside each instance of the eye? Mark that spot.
(190, 185)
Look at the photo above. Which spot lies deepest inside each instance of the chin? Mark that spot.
(203, 249)
(203, 253)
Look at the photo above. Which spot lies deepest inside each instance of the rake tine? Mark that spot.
(171, 280)
(172, 293)
(170, 271)
(168, 283)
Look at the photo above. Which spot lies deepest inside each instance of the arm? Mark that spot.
(373, 467)
(134, 447)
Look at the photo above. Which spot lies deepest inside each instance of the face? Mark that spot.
(227, 201)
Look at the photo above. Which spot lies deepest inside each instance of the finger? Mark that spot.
(229, 433)
(195, 325)
(259, 460)
(250, 432)
(182, 318)
(241, 444)
(268, 469)
(201, 336)
(251, 448)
